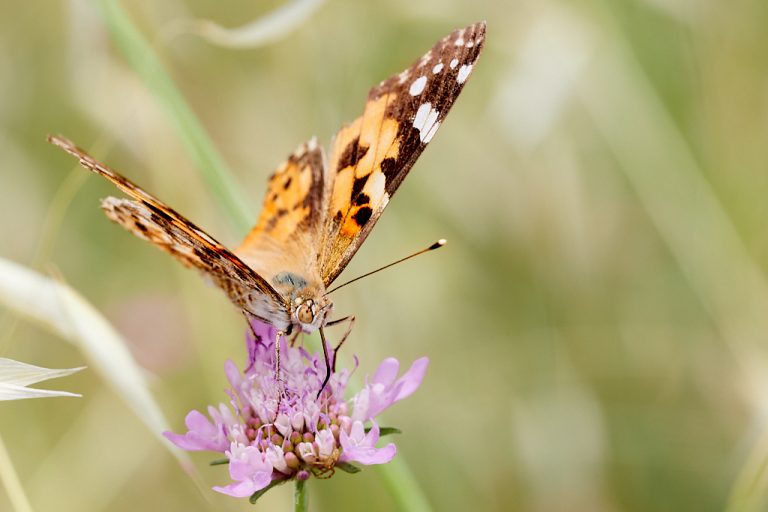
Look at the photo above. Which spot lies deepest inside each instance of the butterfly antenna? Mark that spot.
(432, 247)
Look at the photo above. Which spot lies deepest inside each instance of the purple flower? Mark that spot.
(384, 390)
(275, 430)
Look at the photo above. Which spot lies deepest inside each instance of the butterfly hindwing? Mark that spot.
(294, 197)
(150, 219)
(240, 283)
(288, 231)
(371, 156)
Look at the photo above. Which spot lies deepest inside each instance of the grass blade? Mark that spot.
(63, 311)
(264, 30)
(147, 65)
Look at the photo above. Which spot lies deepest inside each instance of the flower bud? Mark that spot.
(292, 461)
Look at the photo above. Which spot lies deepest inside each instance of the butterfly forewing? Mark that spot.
(371, 156)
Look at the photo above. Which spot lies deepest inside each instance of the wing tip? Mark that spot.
(310, 146)
(479, 27)
(64, 143)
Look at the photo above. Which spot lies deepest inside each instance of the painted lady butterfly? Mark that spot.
(316, 213)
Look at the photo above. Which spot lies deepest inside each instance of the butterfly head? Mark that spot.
(310, 313)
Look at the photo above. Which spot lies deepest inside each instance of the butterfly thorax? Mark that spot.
(308, 305)
(294, 276)
(306, 302)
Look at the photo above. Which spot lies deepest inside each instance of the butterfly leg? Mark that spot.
(256, 337)
(278, 376)
(339, 320)
(351, 320)
(295, 337)
(328, 369)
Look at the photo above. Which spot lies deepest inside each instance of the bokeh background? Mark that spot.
(597, 325)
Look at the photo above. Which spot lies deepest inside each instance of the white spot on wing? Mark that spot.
(438, 68)
(421, 115)
(459, 38)
(426, 122)
(454, 63)
(375, 187)
(417, 87)
(464, 72)
(425, 58)
(431, 132)
(470, 44)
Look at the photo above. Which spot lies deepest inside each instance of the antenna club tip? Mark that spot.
(438, 244)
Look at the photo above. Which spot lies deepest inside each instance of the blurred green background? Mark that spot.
(597, 325)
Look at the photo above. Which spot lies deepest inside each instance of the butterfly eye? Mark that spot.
(305, 313)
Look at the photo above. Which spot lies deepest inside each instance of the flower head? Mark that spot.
(279, 429)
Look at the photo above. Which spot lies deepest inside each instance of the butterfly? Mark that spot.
(317, 212)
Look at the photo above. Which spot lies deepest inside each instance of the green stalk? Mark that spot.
(403, 486)
(196, 141)
(301, 497)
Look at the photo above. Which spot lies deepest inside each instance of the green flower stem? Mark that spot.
(403, 486)
(147, 65)
(301, 497)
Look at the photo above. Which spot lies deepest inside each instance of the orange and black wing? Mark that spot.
(150, 219)
(287, 234)
(370, 157)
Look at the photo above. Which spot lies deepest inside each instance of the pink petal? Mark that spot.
(411, 380)
(359, 447)
(384, 390)
(361, 404)
(368, 456)
(240, 489)
(233, 374)
(357, 432)
(241, 469)
(386, 373)
(250, 468)
(265, 335)
(325, 443)
(197, 421)
(283, 425)
(182, 442)
(201, 435)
